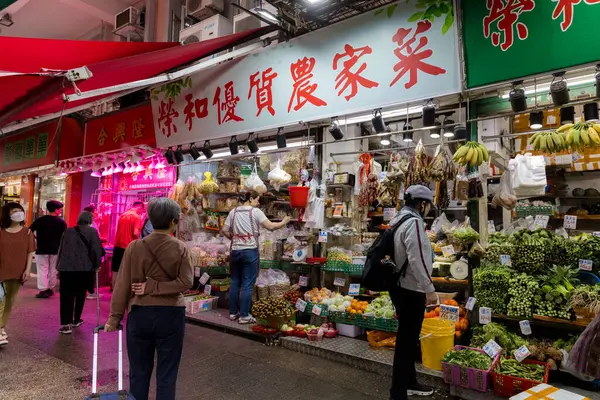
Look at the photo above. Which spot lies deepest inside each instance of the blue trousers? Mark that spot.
(244, 270)
(160, 330)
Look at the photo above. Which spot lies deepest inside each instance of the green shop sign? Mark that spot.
(508, 39)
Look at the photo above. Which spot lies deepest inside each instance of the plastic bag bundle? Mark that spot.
(528, 175)
(278, 176)
(505, 197)
(208, 185)
(255, 183)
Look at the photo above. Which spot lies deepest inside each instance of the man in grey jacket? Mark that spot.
(413, 257)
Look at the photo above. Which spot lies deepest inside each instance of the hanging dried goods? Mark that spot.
(441, 167)
(471, 154)
(418, 170)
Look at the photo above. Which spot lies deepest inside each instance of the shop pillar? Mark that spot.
(73, 196)
(26, 199)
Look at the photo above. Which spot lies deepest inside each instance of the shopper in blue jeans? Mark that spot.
(242, 226)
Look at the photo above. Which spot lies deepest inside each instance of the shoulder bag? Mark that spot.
(87, 245)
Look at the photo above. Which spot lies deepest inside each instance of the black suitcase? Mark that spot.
(120, 394)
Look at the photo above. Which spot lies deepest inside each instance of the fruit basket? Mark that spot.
(506, 386)
(470, 378)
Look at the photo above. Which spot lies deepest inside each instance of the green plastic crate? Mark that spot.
(342, 318)
(309, 307)
(336, 266)
(356, 269)
(295, 268)
(270, 264)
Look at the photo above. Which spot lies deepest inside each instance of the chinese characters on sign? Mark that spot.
(566, 9)
(505, 13)
(150, 178)
(20, 151)
(359, 67)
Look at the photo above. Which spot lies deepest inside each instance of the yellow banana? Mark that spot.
(594, 136)
(542, 143)
(550, 143)
(532, 139)
(569, 137)
(462, 150)
(484, 151)
(590, 132)
(479, 156)
(564, 128)
(596, 127)
(585, 136)
(473, 160)
(576, 136)
(469, 153)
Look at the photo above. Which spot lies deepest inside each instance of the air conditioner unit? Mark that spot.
(213, 27)
(202, 9)
(127, 21)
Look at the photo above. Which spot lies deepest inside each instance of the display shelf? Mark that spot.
(214, 271)
(227, 178)
(439, 281)
(339, 185)
(581, 217)
(545, 322)
(375, 214)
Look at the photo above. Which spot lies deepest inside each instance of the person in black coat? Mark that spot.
(79, 256)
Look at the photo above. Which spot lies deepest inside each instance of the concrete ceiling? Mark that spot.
(64, 19)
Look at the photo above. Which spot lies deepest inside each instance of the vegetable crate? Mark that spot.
(342, 318)
(336, 266)
(470, 378)
(524, 211)
(295, 268)
(506, 386)
(377, 324)
(324, 309)
(356, 269)
(197, 306)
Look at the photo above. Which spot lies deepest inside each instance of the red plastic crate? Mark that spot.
(470, 378)
(507, 386)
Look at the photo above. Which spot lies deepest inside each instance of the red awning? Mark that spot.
(111, 63)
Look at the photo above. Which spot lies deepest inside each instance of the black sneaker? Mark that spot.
(77, 324)
(419, 390)
(65, 330)
(49, 292)
(42, 295)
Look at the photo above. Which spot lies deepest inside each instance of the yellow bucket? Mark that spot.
(437, 338)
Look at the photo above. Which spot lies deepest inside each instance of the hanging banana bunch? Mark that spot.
(471, 154)
(548, 142)
(581, 135)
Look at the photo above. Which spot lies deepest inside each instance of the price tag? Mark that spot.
(585, 265)
(303, 280)
(322, 237)
(316, 310)
(207, 289)
(597, 234)
(491, 226)
(449, 313)
(354, 289)
(525, 327)
(542, 221)
(196, 272)
(388, 214)
(570, 222)
(505, 260)
(339, 282)
(575, 156)
(485, 315)
(448, 251)
(470, 303)
(521, 353)
(492, 348)
(204, 278)
(300, 305)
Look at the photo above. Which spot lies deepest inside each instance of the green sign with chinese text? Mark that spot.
(506, 40)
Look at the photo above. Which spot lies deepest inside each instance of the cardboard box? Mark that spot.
(547, 392)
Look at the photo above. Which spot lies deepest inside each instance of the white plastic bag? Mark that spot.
(278, 176)
(255, 183)
(528, 175)
(505, 197)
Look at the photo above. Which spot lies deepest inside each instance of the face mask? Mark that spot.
(19, 216)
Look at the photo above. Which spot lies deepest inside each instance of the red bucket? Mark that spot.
(298, 196)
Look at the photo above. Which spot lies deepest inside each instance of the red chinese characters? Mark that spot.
(566, 8)
(412, 54)
(197, 108)
(303, 86)
(506, 16)
(264, 93)
(226, 107)
(347, 77)
(166, 117)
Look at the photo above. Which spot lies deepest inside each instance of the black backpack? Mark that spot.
(380, 273)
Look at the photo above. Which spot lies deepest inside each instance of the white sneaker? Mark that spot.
(247, 320)
(3, 341)
(233, 317)
(3, 334)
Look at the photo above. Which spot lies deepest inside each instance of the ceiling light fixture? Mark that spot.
(138, 167)
(517, 97)
(407, 137)
(434, 133)
(168, 156)
(206, 150)
(194, 152)
(335, 130)
(590, 112)
(559, 90)
(233, 146)
(118, 168)
(448, 130)
(385, 114)
(536, 119)
(97, 173)
(179, 155)
(385, 140)
(428, 117)
(251, 143)
(127, 168)
(281, 142)
(378, 122)
(567, 115)
(582, 80)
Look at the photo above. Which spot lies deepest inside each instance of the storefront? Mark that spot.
(29, 160)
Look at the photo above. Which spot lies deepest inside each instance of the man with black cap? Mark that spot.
(413, 257)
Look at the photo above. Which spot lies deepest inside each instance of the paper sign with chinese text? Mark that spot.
(120, 130)
(378, 59)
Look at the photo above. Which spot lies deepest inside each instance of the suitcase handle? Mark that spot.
(95, 359)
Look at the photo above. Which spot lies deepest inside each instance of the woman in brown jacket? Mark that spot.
(154, 273)
(17, 246)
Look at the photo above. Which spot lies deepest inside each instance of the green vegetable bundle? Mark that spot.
(588, 248)
(511, 367)
(553, 295)
(466, 235)
(521, 293)
(507, 340)
(468, 358)
(495, 250)
(531, 250)
(491, 285)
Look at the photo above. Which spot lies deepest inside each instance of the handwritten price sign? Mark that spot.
(570, 222)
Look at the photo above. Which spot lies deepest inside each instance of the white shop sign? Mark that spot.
(373, 60)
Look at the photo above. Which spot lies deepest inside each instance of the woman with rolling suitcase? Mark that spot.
(154, 273)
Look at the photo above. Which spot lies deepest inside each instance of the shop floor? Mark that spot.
(220, 318)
